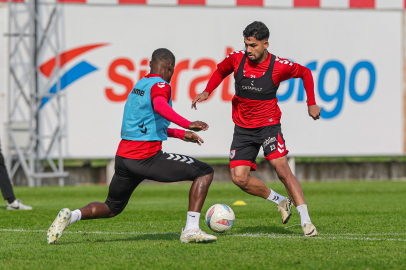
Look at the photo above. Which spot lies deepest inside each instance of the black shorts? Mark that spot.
(161, 167)
(247, 142)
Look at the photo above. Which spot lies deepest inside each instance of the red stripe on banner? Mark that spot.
(251, 2)
(362, 3)
(48, 67)
(404, 4)
(133, 2)
(192, 2)
(73, 1)
(306, 3)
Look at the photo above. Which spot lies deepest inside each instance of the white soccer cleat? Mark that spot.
(284, 208)
(60, 223)
(309, 230)
(196, 236)
(18, 205)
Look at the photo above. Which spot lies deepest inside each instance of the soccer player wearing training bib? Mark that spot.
(147, 115)
(256, 115)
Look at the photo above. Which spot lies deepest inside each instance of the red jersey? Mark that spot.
(146, 149)
(250, 113)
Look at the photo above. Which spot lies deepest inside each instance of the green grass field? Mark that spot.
(361, 226)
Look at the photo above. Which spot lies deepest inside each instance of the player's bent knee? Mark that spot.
(115, 207)
(209, 177)
(205, 170)
(99, 210)
(208, 169)
(240, 180)
(109, 214)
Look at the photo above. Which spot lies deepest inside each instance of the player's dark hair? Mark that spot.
(163, 55)
(257, 30)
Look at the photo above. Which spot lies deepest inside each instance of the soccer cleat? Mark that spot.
(18, 205)
(196, 236)
(284, 208)
(60, 223)
(309, 230)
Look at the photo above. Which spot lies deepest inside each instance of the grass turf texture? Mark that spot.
(361, 226)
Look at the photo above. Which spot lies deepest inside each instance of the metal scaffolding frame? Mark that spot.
(36, 131)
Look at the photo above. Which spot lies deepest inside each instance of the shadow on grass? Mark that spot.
(100, 238)
(265, 229)
(143, 237)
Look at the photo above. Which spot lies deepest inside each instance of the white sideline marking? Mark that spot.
(364, 234)
(361, 237)
(44, 231)
(318, 237)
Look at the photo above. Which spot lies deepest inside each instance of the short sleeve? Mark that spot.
(161, 89)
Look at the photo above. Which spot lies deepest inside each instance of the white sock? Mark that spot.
(192, 221)
(75, 216)
(304, 214)
(275, 197)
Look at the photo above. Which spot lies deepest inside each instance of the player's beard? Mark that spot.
(253, 59)
(256, 59)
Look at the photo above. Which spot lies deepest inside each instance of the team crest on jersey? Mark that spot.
(161, 84)
(232, 154)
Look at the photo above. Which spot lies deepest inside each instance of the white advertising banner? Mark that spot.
(355, 57)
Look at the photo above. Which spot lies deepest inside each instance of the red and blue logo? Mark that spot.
(75, 73)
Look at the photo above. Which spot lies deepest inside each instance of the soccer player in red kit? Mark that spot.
(256, 115)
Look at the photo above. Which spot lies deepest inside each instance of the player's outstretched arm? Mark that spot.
(162, 107)
(213, 83)
(288, 70)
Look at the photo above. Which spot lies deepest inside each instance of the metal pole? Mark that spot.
(37, 132)
(27, 38)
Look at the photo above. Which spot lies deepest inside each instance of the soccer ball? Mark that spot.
(220, 218)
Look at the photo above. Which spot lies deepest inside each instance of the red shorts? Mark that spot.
(247, 142)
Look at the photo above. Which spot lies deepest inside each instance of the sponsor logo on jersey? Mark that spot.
(161, 84)
(252, 88)
(232, 154)
(268, 141)
(138, 92)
